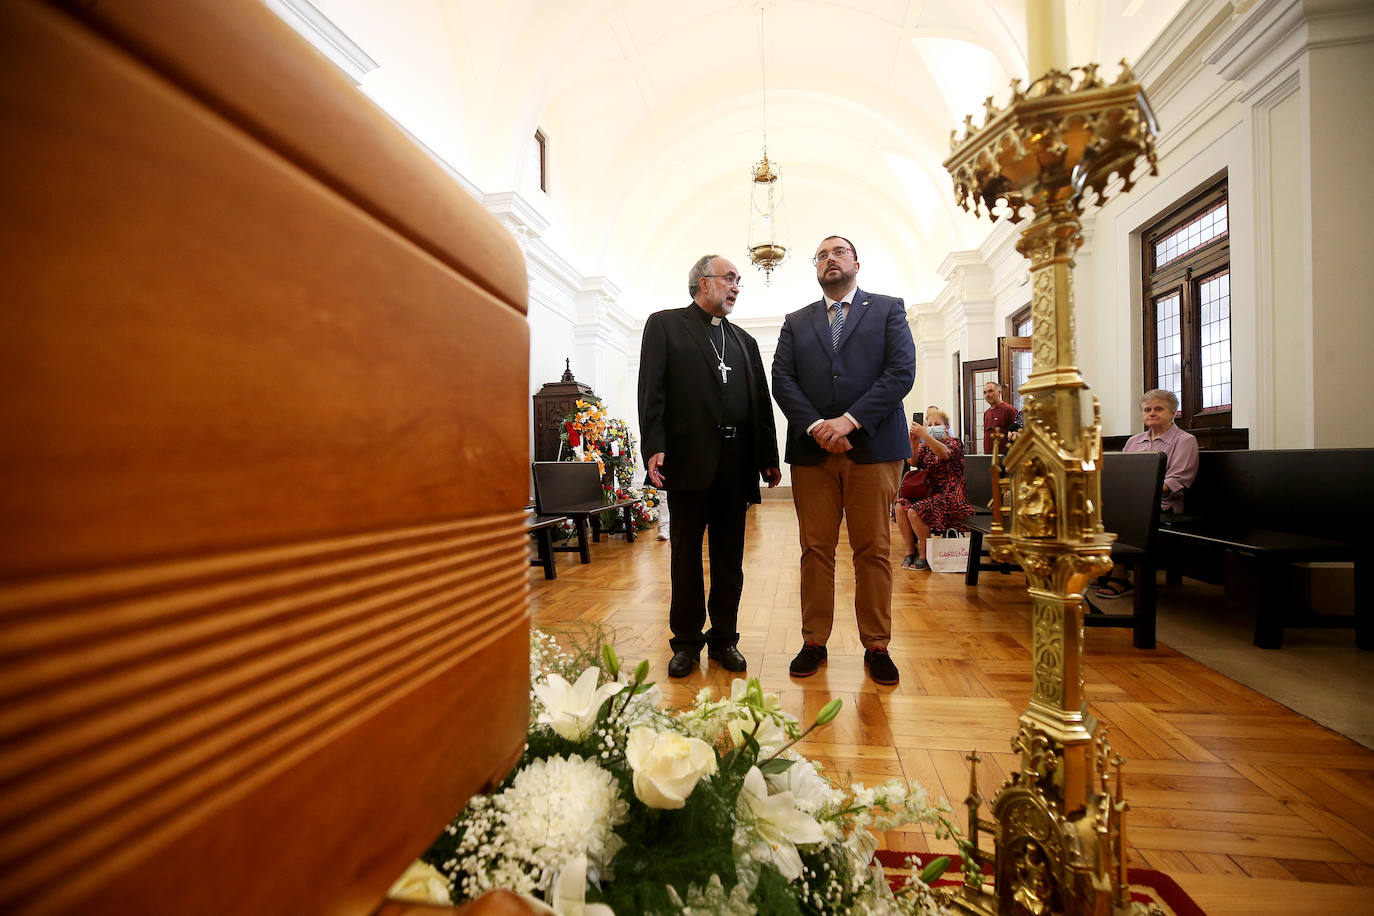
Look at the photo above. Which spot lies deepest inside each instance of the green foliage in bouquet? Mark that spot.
(620, 807)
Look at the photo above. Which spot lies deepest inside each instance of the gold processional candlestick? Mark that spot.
(1058, 831)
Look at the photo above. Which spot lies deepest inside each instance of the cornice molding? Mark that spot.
(1176, 55)
(517, 213)
(325, 37)
(1273, 33)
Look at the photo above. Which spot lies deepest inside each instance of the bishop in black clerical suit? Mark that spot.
(707, 433)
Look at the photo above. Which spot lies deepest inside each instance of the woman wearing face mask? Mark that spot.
(946, 505)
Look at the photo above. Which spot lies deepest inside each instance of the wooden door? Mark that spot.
(977, 373)
(1013, 367)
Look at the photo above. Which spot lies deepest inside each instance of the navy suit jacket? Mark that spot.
(681, 399)
(866, 376)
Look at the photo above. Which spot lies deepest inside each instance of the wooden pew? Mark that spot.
(573, 488)
(263, 614)
(1131, 484)
(541, 526)
(1280, 507)
(1130, 509)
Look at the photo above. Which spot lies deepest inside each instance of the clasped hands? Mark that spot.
(833, 435)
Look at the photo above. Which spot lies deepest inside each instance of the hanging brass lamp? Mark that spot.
(766, 251)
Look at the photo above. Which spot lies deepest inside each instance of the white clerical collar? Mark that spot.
(715, 320)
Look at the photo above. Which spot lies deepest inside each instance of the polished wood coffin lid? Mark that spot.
(263, 567)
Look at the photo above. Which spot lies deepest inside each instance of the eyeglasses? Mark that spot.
(836, 253)
(734, 280)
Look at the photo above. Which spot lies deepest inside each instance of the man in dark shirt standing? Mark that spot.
(999, 415)
(707, 428)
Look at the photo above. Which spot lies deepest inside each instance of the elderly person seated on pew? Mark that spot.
(944, 502)
(1158, 407)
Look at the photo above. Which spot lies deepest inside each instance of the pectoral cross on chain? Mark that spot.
(720, 353)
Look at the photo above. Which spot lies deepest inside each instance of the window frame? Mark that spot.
(1021, 316)
(1185, 276)
(541, 142)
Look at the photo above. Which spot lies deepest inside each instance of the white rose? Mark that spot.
(667, 766)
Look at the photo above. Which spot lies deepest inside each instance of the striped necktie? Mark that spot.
(837, 326)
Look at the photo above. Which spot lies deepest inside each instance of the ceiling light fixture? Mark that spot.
(766, 252)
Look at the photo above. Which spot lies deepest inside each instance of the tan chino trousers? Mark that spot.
(861, 494)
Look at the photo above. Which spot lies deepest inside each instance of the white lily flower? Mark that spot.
(769, 734)
(774, 825)
(569, 894)
(570, 709)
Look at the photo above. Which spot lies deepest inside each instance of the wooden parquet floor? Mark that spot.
(1244, 802)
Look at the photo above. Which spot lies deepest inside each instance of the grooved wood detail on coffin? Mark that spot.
(138, 706)
(215, 349)
(263, 569)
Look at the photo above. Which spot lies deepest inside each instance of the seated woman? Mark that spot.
(1157, 408)
(945, 504)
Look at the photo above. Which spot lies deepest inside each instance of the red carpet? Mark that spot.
(1147, 885)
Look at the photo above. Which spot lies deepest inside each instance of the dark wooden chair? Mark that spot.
(1131, 482)
(573, 488)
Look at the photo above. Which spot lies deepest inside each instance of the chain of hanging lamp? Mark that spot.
(765, 198)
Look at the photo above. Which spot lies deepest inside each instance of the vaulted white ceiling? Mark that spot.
(654, 113)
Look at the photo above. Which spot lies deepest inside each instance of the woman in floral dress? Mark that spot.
(947, 505)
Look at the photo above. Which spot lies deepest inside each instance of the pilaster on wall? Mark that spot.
(1297, 63)
(601, 338)
(571, 317)
(967, 304)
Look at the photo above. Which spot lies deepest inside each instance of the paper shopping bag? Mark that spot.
(948, 554)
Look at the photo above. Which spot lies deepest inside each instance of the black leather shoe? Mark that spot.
(880, 667)
(729, 657)
(683, 663)
(808, 660)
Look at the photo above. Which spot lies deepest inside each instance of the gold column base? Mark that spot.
(1058, 832)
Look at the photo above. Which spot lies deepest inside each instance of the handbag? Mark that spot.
(914, 485)
(948, 554)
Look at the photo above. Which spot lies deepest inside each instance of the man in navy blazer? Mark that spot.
(842, 366)
(707, 434)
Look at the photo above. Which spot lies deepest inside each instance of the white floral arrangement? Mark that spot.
(620, 807)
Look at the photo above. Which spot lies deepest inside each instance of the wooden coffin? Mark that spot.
(263, 578)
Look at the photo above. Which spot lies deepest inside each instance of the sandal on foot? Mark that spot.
(916, 563)
(908, 560)
(1115, 587)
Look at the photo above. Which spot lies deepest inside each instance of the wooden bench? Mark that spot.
(1130, 509)
(541, 526)
(1281, 507)
(978, 485)
(1131, 483)
(573, 489)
